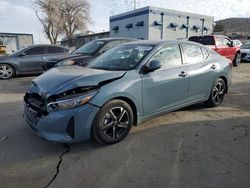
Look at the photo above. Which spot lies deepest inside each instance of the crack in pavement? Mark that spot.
(67, 147)
(215, 148)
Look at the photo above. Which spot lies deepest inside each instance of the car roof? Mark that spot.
(210, 36)
(117, 38)
(161, 42)
(47, 45)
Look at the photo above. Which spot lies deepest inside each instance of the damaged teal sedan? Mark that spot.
(123, 87)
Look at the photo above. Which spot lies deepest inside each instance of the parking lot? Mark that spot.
(192, 147)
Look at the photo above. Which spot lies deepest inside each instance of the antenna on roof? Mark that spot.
(134, 4)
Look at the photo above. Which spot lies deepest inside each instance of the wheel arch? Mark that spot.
(225, 80)
(131, 103)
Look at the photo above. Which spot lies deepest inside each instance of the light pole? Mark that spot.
(202, 26)
(187, 26)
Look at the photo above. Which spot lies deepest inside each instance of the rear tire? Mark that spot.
(217, 93)
(237, 59)
(113, 122)
(6, 71)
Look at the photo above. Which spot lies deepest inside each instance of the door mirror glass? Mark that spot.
(22, 54)
(152, 66)
(231, 44)
(101, 52)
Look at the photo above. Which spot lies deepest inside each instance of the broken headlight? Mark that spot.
(70, 103)
(65, 63)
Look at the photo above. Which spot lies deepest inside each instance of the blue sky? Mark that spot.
(19, 15)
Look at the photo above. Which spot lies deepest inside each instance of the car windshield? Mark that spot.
(123, 57)
(245, 46)
(90, 48)
(205, 40)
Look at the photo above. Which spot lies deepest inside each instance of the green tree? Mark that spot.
(219, 27)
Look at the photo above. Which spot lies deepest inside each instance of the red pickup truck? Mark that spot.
(221, 44)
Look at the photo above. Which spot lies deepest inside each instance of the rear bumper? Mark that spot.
(68, 126)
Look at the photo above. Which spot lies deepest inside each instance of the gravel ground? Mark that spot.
(193, 147)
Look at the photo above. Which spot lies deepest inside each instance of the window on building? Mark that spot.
(129, 26)
(115, 29)
(140, 24)
(173, 26)
(196, 28)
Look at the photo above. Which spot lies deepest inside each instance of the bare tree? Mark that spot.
(51, 18)
(75, 17)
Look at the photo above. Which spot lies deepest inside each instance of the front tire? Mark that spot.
(113, 122)
(6, 71)
(217, 93)
(237, 59)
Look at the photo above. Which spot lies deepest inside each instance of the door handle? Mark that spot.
(183, 74)
(213, 66)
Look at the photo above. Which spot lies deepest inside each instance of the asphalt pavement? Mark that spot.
(196, 147)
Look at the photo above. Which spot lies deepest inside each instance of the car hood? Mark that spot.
(61, 79)
(245, 50)
(3, 58)
(62, 57)
(80, 60)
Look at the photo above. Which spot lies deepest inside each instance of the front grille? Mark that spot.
(36, 102)
(243, 55)
(31, 114)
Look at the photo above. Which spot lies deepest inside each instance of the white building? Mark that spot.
(16, 41)
(156, 23)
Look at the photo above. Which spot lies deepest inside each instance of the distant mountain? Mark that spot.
(234, 25)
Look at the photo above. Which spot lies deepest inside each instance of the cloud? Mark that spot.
(220, 9)
(19, 16)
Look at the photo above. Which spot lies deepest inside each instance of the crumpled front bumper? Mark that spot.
(66, 126)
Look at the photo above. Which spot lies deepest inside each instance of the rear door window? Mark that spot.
(219, 41)
(205, 53)
(205, 40)
(193, 53)
(55, 50)
(36, 51)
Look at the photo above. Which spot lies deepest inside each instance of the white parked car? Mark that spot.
(237, 43)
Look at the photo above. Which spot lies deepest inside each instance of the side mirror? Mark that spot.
(152, 66)
(231, 44)
(22, 54)
(101, 52)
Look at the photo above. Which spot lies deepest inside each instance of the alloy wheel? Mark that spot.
(116, 122)
(238, 59)
(218, 93)
(6, 72)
